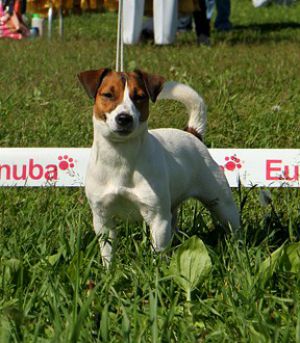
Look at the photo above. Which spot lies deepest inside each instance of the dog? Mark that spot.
(140, 174)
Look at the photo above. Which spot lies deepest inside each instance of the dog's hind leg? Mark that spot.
(225, 212)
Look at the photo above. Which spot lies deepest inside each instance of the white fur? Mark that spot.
(147, 174)
(191, 99)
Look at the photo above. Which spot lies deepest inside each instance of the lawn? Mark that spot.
(53, 287)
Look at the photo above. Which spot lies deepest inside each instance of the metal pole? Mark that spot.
(61, 19)
(119, 57)
(50, 17)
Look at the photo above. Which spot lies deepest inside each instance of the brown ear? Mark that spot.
(92, 79)
(153, 84)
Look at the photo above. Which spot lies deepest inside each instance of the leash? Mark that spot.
(120, 44)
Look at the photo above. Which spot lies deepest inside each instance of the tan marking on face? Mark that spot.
(111, 92)
(109, 95)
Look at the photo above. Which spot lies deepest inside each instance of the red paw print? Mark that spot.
(66, 162)
(232, 163)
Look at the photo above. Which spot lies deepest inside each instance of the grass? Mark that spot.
(49, 257)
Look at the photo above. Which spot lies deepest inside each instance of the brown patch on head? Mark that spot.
(107, 88)
(138, 94)
(153, 83)
(109, 95)
(194, 132)
(91, 80)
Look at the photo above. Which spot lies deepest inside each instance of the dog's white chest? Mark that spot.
(115, 201)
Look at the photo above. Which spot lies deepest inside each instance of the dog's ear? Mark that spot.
(91, 80)
(153, 83)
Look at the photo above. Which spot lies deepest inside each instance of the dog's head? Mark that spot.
(121, 100)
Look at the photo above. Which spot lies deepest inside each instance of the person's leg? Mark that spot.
(184, 23)
(202, 24)
(23, 6)
(210, 5)
(222, 22)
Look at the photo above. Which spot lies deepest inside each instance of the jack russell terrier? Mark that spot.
(136, 173)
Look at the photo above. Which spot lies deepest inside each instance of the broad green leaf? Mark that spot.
(13, 264)
(54, 258)
(285, 258)
(104, 324)
(125, 323)
(298, 328)
(190, 264)
(292, 258)
(5, 330)
(13, 269)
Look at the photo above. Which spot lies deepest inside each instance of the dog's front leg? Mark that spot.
(161, 231)
(106, 235)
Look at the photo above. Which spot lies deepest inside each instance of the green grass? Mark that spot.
(48, 251)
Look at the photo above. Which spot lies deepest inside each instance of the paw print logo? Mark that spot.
(65, 162)
(232, 163)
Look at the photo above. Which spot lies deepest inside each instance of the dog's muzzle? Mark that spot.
(124, 123)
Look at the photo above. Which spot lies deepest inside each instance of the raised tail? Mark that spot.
(193, 102)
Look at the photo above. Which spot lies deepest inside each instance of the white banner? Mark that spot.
(65, 167)
(35, 167)
(260, 167)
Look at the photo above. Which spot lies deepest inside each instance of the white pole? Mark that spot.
(120, 52)
(61, 20)
(121, 38)
(50, 16)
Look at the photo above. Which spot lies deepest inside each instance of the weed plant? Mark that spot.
(53, 287)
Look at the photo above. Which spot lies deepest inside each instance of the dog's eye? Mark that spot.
(139, 97)
(107, 95)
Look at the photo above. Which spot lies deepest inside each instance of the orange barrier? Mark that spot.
(41, 6)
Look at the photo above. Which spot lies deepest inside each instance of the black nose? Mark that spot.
(124, 119)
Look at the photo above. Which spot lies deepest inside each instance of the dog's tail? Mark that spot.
(193, 102)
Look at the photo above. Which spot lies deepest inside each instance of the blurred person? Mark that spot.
(197, 11)
(11, 22)
(203, 10)
(222, 22)
(202, 23)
